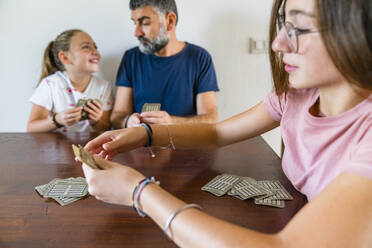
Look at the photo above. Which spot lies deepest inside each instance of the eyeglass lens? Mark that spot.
(291, 36)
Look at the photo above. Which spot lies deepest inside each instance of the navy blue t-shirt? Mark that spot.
(171, 81)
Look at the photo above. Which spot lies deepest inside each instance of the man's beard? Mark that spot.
(150, 47)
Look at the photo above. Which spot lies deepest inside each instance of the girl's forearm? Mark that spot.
(195, 228)
(201, 135)
(44, 125)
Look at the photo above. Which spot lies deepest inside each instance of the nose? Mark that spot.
(95, 51)
(281, 42)
(138, 32)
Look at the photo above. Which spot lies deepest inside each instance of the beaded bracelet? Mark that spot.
(125, 121)
(149, 133)
(137, 194)
(171, 218)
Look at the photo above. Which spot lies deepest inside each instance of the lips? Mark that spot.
(290, 68)
(94, 61)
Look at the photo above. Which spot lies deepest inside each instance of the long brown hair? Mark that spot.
(346, 30)
(51, 62)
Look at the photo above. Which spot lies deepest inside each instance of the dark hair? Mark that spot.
(51, 62)
(164, 6)
(346, 30)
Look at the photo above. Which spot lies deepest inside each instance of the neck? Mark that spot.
(339, 98)
(79, 81)
(173, 47)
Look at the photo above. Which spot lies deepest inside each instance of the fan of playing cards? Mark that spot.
(269, 193)
(83, 103)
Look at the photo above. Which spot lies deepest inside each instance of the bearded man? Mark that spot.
(177, 79)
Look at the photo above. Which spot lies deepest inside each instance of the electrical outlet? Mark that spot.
(257, 46)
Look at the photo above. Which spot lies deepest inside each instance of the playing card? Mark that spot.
(82, 103)
(85, 157)
(147, 107)
(63, 201)
(275, 186)
(248, 187)
(269, 201)
(76, 193)
(221, 184)
(63, 188)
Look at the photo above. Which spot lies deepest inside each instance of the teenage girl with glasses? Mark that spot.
(321, 61)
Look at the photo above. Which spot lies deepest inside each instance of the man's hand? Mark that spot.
(134, 120)
(69, 117)
(156, 117)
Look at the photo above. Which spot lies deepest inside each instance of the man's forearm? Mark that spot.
(117, 119)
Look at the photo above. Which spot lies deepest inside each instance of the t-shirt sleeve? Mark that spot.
(42, 96)
(361, 159)
(207, 79)
(108, 97)
(275, 105)
(123, 76)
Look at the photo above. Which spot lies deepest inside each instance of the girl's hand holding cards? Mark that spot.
(69, 117)
(94, 110)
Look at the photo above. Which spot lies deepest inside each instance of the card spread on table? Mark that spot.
(85, 157)
(220, 185)
(247, 188)
(147, 107)
(267, 192)
(64, 191)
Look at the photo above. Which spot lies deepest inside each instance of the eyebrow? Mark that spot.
(295, 12)
(88, 43)
(142, 18)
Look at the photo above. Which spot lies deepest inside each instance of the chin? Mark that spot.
(300, 84)
(94, 69)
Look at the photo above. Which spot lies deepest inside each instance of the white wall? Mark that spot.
(222, 27)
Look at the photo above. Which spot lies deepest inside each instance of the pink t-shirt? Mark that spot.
(318, 149)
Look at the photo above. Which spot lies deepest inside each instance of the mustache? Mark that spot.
(143, 39)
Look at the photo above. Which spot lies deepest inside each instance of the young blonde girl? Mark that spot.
(68, 64)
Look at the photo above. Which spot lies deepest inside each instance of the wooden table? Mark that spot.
(28, 220)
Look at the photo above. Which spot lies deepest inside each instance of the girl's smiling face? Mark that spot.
(83, 55)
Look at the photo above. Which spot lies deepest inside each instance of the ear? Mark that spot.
(171, 20)
(63, 57)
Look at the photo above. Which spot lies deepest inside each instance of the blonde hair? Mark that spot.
(51, 62)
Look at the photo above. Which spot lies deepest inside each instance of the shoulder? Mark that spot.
(294, 100)
(132, 52)
(53, 80)
(99, 81)
(196, 50)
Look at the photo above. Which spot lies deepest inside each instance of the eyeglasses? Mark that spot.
(292, 33)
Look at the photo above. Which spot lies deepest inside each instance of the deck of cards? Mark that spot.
(64, 191)
(148, 107)
(82, 103)
(268, 192)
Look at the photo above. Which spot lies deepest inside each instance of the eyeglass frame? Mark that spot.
(297, 31)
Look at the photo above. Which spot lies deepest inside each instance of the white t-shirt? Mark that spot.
(56, 94)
